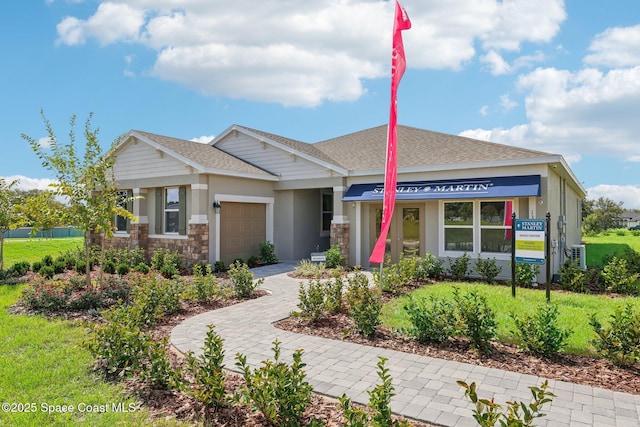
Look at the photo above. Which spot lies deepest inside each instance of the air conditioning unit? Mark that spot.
(579, 254)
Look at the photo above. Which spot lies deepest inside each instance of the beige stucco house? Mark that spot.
(219, 201)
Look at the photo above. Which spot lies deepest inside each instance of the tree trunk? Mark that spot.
(87, 255)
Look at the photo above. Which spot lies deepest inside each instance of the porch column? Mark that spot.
(139, 229)
(198, 225)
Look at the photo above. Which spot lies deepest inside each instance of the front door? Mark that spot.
(405, 232)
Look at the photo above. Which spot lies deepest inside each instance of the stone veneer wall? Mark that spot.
(192, 249)
(340, 235)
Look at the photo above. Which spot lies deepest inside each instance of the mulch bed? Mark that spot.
(575, 369)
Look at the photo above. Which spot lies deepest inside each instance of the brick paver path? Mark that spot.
(425, 387)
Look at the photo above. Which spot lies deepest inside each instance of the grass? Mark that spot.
(34, 249)
(609, 243)
(574, 310)
(44, 364)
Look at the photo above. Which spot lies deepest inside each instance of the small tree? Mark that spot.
(10, 217)
(87, 184)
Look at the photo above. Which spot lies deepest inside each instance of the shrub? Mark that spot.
(157, 368)
(81, 266)
(119, 346)
(619, 341)
(36, 266)
(311, 300)
(47, 260)
(109, 266)
(379, 403)
(459, 267)
(364, 304)
(142, 268)
(167, 262)
(208, 372)
(526, 274)
(219, 267)
(487, 269)
(390, 280)
(334, 256)
(278, 390)
(253, 261)
(86, 299)
(539, 333)
(476, 319)
(48, 295)
(20, 268)
(572, 277)
(123, 269)
(617, 277)
(46, 271)
(408, 268)
(333, 294)
(487, 413)
(242, 280)
(204, 286)
(169, 271)
(268, 253)
(430, 267)
(432, 321)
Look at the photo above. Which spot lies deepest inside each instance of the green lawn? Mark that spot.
(43, 364)
(34, 249)
(607, 244)
(574, 309)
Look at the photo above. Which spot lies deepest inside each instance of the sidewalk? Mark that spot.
(425, 387)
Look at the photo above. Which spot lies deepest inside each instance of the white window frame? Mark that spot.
(477, 228)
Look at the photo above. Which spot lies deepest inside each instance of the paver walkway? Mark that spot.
(425, 387)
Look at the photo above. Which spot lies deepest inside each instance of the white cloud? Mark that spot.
(507, 103)
(45, 142)
(303, 53)
(25, 183)
(111, 23)
(628, 194)
(203, 139)
(484, 110)
(616, 47)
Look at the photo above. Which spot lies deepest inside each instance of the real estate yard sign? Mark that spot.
(530, 239)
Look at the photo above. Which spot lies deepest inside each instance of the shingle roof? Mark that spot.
(366, 150)
(203, 154)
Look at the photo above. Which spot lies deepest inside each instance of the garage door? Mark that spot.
(242, 229)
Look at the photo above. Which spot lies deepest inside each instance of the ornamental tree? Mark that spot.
(86, 183)
(10, 217)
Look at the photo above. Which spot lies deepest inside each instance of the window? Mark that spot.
(122, 223)
(495, 226)
(458, 226)
(171, 210)
(478, 226)
(327, 213)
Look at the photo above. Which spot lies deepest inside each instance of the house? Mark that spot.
(219, 201)
(629, 219)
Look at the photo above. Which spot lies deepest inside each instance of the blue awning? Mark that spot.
(473, 188)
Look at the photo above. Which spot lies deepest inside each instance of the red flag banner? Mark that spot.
(398, 65)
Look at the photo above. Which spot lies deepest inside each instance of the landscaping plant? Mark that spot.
(242, 280)
(487, 269)
(477, 321)
(334, 256)
(364, 304)
(487, 413)
(619, 341)
(268, 253)
(459, 267)
(208, 373)
(539, 333)
(431, 321)
(278, 390)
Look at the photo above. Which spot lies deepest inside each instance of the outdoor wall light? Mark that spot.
(216, 206)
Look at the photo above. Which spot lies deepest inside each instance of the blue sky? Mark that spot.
(551, 75)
